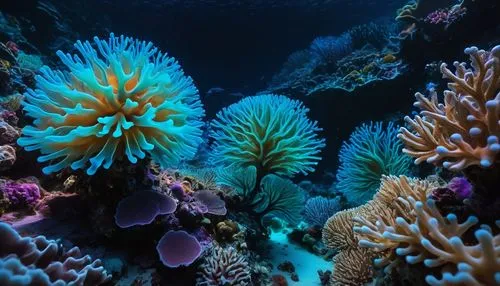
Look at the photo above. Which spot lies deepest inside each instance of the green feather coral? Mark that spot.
(270, 132)
(127, 98)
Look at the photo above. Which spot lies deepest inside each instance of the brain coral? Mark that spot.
(370, 153)
(270, 132)
(126, 98)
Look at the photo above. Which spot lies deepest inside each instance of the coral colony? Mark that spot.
(111, 174)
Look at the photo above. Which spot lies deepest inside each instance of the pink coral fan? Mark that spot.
(20, 194)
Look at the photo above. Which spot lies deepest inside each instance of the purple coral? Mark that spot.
(461, 187)
(21, 194)
(213, 203)
(178, 248)
(457, 190)
(142, 208)
(178, 192)
(39, 261)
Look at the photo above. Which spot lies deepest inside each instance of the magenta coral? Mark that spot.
(20, 194)
(178, 248)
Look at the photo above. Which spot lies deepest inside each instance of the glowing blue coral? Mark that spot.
(370, 153)
(126, 99)
(270, 132)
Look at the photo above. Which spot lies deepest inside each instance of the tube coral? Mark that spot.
(127, 98)
(371, 152)
(270, 132)
(465, 130)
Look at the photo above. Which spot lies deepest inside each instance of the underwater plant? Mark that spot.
(126, 98)
(273, 196)
(270, 132)
(372, 151)
(465, 130)
(319, 209)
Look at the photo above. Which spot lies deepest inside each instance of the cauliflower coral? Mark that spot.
(270, 132)
(465, 130)
(126, 98)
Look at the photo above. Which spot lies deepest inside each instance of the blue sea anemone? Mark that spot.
(127, 98)
(270, 132)
(371, 152)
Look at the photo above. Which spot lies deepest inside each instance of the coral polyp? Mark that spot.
(126, 98)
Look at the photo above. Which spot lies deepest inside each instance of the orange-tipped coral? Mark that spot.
(465, 130)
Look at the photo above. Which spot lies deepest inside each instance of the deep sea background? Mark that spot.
(235, 45)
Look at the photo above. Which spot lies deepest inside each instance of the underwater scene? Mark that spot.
(249, 142)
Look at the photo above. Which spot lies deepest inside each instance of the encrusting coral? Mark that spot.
(465, 130)
(39, 261)
(127, 98)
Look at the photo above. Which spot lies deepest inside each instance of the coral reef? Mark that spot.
(339, 231)
(270, 132)
(465, 130)
(128, 100)
(372, 151)
(224, 266)
(332, 64)
(39, 261)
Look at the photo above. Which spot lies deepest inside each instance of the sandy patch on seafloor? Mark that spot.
(306, 264)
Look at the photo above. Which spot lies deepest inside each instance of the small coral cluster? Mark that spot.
(465, 130)
(224, 266)
(126, 99)
(39, 261)
(352, 60)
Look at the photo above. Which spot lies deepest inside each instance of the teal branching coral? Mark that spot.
(371, 152)
(270, 132)
(126, 98)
